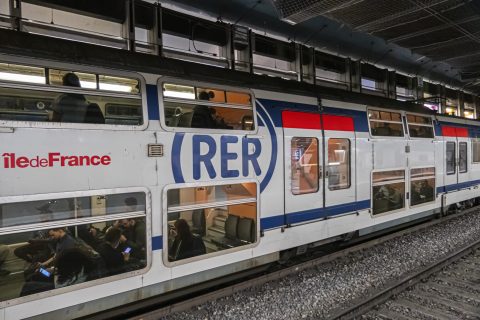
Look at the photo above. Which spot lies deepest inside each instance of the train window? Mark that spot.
(48, 106)
(69, 242)
(385, 123)
(450, 157)
(388, 190)
(29, 212)
(212, 108)
(94, 81)
(422, 185)
(462, 157)
(338, 164)
(304, 165)
(70, 97)
(419, 126)
(475, 150)
(208, 219)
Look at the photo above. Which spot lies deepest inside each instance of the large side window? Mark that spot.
(419, 126)
(304, 165)
(338, 164)
(212, 108)
(450, 157)
(67, 96)
(475, 150)
(388, 191)
(385, 123)
(422, 185)
(59, 242)
(208, 219)
(462, 157)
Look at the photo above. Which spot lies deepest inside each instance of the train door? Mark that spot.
(303, 173)
(339, 155)
(456, 156)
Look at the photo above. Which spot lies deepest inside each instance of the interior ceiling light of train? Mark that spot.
(442, 30)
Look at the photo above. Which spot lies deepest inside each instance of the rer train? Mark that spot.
(118, 185)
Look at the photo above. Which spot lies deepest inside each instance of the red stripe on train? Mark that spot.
(300, 120)
(448, 131)
(338, 123)
(305, 120)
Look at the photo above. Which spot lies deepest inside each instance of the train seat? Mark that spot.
(198, 222)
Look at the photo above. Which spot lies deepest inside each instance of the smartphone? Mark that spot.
(127, 250)
(45, 272)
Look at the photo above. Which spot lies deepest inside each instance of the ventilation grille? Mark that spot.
(155, 150)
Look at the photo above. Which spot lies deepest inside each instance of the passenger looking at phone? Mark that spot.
(63, 241)
(134, 231)
(115, 260)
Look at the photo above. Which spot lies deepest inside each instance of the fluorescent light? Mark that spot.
(105, 86)
(179, 94)
(88, 84)
(21, 77)
(115, 87)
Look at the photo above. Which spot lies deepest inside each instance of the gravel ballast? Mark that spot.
(318, 291)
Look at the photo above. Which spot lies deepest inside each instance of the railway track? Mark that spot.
(154, 309)
(447, 289)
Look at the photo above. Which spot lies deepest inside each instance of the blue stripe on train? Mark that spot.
(157, 243)
(302, 216)
(152, 102)
(457, 186)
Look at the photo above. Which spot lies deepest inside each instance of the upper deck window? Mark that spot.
(385, 123)
(51, 95)
(419, 126)
(204, 107)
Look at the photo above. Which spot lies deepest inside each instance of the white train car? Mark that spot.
(253, 173)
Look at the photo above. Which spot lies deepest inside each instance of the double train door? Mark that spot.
(318, 165)
(456, 157)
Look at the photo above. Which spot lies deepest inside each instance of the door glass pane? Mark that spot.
(462, 157)
(304, 165)
(338, 164)
(388, 191)
(450, 156)
(422, 185)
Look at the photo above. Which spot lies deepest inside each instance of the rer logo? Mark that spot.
(205, 157)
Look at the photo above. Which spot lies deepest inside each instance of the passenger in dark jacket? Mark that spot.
(70, 107)
(115, 261)
(185, 244)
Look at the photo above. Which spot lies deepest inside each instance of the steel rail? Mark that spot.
(279, 274)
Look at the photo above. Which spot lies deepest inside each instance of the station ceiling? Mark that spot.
(435, 39)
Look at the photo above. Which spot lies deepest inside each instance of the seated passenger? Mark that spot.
(39, 248)
(115, 261)
(71, 268)
(4, 252)
(422, 192)
(63, 241)
(185, 244)
(94, 114)
(70, 107)
(134, 231)
(395, 198)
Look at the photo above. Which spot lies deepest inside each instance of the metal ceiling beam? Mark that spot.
(430, 30)
(367, 27)
(442, 44)
(468, 55)
(446, 20)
